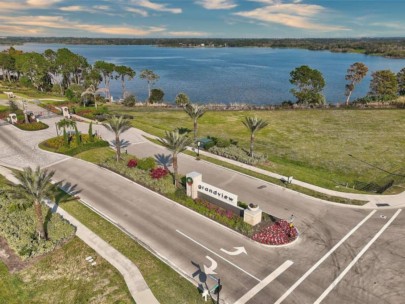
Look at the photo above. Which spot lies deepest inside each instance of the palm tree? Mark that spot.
(63, 124)
(175, 142)
(35, 185)
(122, 72)
(195, 112)
(254, 124)
(118, 125)
(91, 90)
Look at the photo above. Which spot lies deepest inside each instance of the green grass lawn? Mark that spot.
(311, 145)
(64, 276)
(166, 284)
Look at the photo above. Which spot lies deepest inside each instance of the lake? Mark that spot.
(243, 75)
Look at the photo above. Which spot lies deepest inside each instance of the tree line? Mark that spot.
(385, 85)
(70, 75)
(388, 47)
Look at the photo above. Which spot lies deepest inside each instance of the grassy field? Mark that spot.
(64, 276)
(311, 145)
(166, 284)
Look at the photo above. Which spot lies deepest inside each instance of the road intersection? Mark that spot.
(343, 255)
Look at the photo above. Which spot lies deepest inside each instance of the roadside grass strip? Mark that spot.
(358, 256)
(316, 265)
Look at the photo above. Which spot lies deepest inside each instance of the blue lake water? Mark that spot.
(243, 75)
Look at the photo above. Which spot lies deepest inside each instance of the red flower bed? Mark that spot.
(278, 233)
(132, 163)
(158, 172)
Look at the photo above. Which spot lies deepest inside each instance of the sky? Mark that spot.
(203, 18)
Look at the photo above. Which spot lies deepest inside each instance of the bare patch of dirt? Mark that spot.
(10, 258)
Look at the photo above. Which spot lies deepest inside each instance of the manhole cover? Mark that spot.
(383, 217)
(262, 187)
(383, 205)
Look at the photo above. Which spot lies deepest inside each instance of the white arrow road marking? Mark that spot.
(238, 251)
(210, 270)
(206, 248)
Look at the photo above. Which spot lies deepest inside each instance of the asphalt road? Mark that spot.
(188, 241)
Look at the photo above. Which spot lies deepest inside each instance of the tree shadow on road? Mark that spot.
(65, 192)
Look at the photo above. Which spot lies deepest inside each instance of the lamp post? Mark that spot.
(198, 150)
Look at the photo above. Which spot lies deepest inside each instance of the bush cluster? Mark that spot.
(238, 154)
(147, 163)
(159, 172)
(163, 185)
(132, 163)
(18, 227)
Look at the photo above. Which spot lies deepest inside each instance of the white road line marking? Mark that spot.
(292, 288)
(229, 262)
(251, 293)
(339, 278)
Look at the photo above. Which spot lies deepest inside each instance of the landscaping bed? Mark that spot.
(129, 167)
(18, 226)
(58, 144)
(33, 126)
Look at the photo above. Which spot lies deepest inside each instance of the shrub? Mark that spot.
(129, 101)
(238, 154)
(158, 172)
(156, 95)
(132, 163)
(147, 163)
(223, 143)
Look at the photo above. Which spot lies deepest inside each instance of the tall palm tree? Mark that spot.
(176, 143)
(254, 124)
(35, 185)
(118, 125)
(195, 112)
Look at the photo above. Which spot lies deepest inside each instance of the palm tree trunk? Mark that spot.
(175, 169)
(40, 220)
(252, 139)
(149, 93)
(123, 86)
(348, 97)
(195, 129)
(118, 146)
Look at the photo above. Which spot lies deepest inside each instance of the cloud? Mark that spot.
(39, 23)
(137, 11)
(217, 4)
(188, 34)
(156, 6)
(73, 8)
(392, 25)
(42, 3)
(294, 14)
(102, 7)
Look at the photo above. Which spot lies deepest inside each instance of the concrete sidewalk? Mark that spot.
(132, 276)
(396, 201)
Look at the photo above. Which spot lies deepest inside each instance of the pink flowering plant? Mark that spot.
(158, 172)
(278, 233)
(132, 163)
